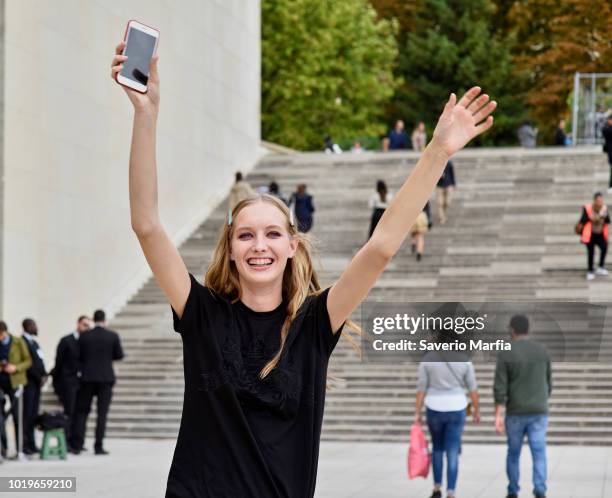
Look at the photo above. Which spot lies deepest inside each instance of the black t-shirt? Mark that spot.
(240, 436)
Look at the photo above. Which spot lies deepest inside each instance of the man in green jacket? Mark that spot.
(14, 362)
(523, 383)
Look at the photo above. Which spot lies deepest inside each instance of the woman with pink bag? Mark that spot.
(441, 387)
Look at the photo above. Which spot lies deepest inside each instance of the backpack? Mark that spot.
(52, 420)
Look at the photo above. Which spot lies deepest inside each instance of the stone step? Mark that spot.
(333, 402)
(470, 429)
(405, 384)
(148, 381)
(173, 411)
(136, 425)
(391, 402)
(577, 422)
(381, 394)
(466, 438)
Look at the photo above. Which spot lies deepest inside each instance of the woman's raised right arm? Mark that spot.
(163, 257)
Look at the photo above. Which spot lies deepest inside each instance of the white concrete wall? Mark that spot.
(68, 246)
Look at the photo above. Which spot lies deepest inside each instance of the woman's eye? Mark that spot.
(244, 236)
(274, 234)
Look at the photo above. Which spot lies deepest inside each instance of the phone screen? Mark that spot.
(139, 49)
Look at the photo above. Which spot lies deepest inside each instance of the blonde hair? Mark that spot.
(300, 279)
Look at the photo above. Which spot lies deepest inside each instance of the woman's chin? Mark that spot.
(261, 277)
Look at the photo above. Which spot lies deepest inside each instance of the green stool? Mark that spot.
(60, 449)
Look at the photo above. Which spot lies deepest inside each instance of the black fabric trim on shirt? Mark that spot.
(329, 338)
(191, 304)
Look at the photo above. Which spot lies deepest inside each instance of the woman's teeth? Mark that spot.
(260, 261)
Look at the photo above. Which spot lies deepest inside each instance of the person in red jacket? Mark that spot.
(595, 220)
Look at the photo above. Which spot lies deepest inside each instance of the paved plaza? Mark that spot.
(138, 468)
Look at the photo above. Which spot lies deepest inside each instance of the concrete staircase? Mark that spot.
(509, 238)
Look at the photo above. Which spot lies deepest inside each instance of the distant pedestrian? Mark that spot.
(600, 119)
(397, 136)
(378, 203)
(606, 132)
(330, 146)
(357, 148)
(274, 189)
(421, 226)
(15, 361)
(385, 144)
(593, 231)
(527, 135)
(560, 135)
(303, 207)
(67, 370)
(419, 137)
(444, 190)
(98, 348)
(441, 387)
(37, 376)
(240, 190)
(523, 383)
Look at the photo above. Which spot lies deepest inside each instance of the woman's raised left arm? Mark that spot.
(459, 123)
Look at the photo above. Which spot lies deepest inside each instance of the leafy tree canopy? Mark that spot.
(401, 10)
(555, 40)
(327, 68)
(452, 47)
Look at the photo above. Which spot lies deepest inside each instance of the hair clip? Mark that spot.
(291, 220)
(229, 217)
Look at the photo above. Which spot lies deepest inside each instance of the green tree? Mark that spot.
(402, 10)
(327, 68)
(556, 39)
(452, 47)
(502, 21)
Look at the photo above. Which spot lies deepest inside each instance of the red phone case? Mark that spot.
(127, 27)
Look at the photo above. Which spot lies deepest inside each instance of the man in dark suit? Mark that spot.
(98, 348)
(67, 369)
(37, 376)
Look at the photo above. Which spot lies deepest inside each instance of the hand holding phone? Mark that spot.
(135, 66)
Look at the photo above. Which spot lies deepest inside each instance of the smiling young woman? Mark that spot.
(258, 335)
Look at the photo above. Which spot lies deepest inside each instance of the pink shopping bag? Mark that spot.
(418, 453)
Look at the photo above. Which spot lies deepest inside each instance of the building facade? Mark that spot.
(67, 246)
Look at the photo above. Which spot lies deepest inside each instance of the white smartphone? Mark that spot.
(140, 46)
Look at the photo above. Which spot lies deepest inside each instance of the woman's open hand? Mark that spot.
(461, 121)
(143, 102)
